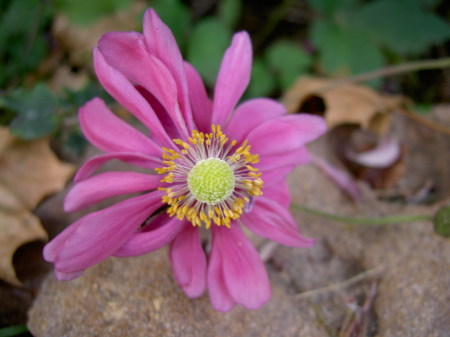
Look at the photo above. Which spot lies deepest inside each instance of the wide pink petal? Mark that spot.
(126, 52)
(98, 235)
(111, 134)
(299, 156)
(200, 103)
(243, 271)
(250, 115)
(271, 220)
(189, 261)
(273, 177)
(161, 43)
(218, 293)
(106, 185)
(54, 247)
(159, 232)
(285, 134)
(279, 193)
(233, 78)
(141, 160)
(126, 94)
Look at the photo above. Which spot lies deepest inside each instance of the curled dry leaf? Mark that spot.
(29, 171)
(342, 104)
(17, 227)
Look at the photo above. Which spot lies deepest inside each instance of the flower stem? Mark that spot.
(385, 220)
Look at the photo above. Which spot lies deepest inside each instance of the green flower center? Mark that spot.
(211, 181)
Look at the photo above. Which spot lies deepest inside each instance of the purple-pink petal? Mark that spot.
(161, 43)
(285, 134)
(126, 94)
(126, 52)
(158, 233)
(133, 158)
(273, 221)
(279, 193)
(299, 156)
(218, 292)
(233, 78)
(244, 274)
(106, 185)
(111, 134)
(98, 235)
(250, 115)
(200, 103)
(189, 261)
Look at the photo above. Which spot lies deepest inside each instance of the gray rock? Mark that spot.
(138, 297)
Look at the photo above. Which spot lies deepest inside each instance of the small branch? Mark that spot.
(390, 71)
(339, 286)
(426, 122)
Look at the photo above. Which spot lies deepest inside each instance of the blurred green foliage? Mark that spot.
(86, 12)
(22, 46)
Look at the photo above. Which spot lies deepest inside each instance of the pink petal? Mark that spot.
(54, 247)
(161, 43)
(111, 134)
(98, 235)
(279, 193)
(383, 156)
(189, 261)
(218, 293)
(250, 115)
(158, 233)
(200, 103)
(106, 185)
(344, 180)
(125, 93)
(141, 160)
(299, 156)
(273, 221)
(285, 134)
(273, 177)
(126, 52)
(233, 78)
(243, 271)
(67, 276)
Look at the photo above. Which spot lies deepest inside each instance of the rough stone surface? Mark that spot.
(138, 297)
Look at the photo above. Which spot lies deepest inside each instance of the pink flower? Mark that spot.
(220, 167)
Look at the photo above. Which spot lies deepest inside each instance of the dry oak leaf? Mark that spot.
(29, 171)
(342, 103)
(17, 227)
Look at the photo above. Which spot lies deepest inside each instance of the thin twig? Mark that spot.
(390, 71)
(341, 285)
(426, 122)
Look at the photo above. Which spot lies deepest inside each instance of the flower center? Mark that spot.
(211, 181)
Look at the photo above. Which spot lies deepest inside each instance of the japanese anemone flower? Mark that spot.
(217, 167)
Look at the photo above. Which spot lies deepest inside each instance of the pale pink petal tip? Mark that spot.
(382, 156)
(340, 177)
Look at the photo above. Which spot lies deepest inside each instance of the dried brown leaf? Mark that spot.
(342, 104)
(30, 169)
(17, 227)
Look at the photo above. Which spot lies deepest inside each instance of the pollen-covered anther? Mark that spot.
(209, 178)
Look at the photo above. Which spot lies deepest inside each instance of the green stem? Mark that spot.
(385, 220)
(13, 330)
